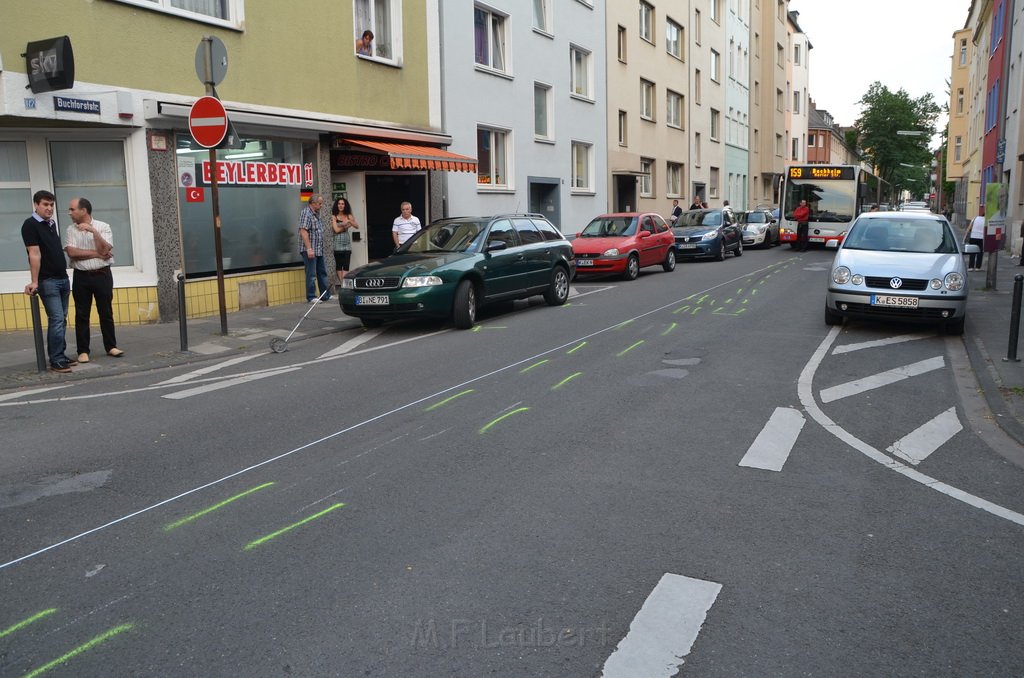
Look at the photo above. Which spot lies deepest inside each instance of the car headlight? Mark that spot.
(613, 252)
(954, 282)
(422, 281)
(841, 275)
(761, 230)
(348, 283)
(857, 279)
(710, 236)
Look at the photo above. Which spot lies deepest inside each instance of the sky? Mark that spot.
(904, 44)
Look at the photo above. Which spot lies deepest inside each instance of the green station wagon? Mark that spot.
(453, 267)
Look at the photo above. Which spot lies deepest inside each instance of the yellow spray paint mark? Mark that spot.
(695, 310)
(627, 350)
(477, 328)
(536, 364)
(670, 328)
(448, 400)
(502, 417)
(22, 624)
(273, 535)
(565, 381)
(623, 324)
(681, 309)
(195, 516)
(85, 647)
(576, 348)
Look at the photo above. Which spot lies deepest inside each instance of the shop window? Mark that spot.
(15, 203)
(381, 18)
(221, 12)
(491, 154)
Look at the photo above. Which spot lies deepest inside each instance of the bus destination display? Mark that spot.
(822, 172)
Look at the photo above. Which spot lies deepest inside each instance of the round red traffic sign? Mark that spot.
(208, 121)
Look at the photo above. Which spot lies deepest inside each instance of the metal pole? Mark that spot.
(1011, 349)
(37, 333)
(215, 194)
(182, 313)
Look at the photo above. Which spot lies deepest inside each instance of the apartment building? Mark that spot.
(956, 152)
(737, 102)
(769, 135)
(798, 72)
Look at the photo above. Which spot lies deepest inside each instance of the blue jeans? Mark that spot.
(316, 273)
(55, 292)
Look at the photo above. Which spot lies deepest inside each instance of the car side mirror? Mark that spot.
(493, 245)
(645, 234)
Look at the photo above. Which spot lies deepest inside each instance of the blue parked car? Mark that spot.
(708, 233)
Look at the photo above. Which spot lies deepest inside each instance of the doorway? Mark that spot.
(544, 199)
(624, 199)
(385, 194)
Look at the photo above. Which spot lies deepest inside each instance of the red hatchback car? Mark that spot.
(624, 243)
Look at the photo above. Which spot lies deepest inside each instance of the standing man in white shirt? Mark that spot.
(405, 226)
(89, 246)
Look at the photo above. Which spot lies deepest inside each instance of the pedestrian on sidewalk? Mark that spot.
(802, 215)
(405, 225)
(342, 222)
(311, 247)
(976, 236)
(48, 269)
(89, 244)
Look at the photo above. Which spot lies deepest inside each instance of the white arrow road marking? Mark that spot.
(352, 343)
(206, 370)
(664, 630)
(773, 444)
(881, 379)
(206, 388)
(919, 443)
(22, 394)
(848, 348)
(805, 390)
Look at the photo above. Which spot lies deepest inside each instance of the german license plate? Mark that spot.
(815, 240)
(890, 300)
(584, 262)
(372, 300)
(688, 246)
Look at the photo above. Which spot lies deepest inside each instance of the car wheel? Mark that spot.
(956, 326)
(371, 322)
(739, 249)
(832, 317)
(721, 250)
(464, 307)
(632, 268)
(670, 260)
(558, 291)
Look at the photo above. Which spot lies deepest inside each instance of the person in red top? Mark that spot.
(801, 215)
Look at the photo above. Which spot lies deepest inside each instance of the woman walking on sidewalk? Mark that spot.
(976, 236)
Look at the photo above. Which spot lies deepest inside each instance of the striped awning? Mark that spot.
(417, 156)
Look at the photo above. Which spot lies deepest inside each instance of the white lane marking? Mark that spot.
(593, 291)
(663, 632)
(352, 343)
(773, 444)
(848, 348)
(347, 429)
(22, 394)
(881, 379)
(227, 383)
(188, 376)
(922, 441)
(805, 390)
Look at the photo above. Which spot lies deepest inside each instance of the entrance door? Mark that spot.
(544, 199)
(625, 193)
(385, 194)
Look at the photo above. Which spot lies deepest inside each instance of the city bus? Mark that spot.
(836, 194)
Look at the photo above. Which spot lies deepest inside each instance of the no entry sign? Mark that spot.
(208, 121)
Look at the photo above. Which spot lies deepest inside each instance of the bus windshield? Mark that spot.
(830, 201)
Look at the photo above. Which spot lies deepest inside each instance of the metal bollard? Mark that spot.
(37, 333)
(1011, 350)
(182, 322)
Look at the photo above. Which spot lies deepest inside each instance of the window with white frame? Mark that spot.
(542, 128)
(796, 149)
(796, 101)
(623, 129)
(674, 39)
(542, 15)
(673, 109)
(492, 157)
(646, 99)
(780, 55)
(796, 55)
(490, 39)
(716, 121)
(582, 71)
(222, 12)
(696, 86)
(812, 139)
(716, 11)
(958, 146)
(778, 100)
(673, 179)
(646, 22)
(696, 149)
(696, 26)
(582, 166)
(713, 182)
(715, 65)
(778, 145)
(622, 44)
(646, 177)
(380, 17)
(757, 141)
(15, 195)
(963, 51)
(960, 101)
(732, 59)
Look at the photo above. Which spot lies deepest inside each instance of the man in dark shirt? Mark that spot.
(48, 268)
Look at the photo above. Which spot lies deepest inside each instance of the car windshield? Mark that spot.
(752, 218)
(604, 227)
(700, 218)
(446, 236)
(926, 236)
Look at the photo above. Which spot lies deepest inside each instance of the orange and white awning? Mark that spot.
(418, 156)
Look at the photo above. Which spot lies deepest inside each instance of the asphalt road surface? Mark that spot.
(689, 473)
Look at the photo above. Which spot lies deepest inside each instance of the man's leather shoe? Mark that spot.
(115, 353)
(60, 367)
(83, 357)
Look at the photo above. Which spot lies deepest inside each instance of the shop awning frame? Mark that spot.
(416, 156)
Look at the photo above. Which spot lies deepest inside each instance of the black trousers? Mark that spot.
(86, 287)
(801, 236)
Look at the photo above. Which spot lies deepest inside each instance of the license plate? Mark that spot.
(584, 262)
(687, 246)
(889, 300)
(374, 300)
(816, 240)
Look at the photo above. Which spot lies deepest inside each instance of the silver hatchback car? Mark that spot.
(900, 266)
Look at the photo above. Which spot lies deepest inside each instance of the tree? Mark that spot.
(883, 114)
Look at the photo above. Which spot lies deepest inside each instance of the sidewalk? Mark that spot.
(152, 346)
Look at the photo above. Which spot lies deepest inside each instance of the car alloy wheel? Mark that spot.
(558, 291)
(632, 268)
(464, 306)
(670, 260)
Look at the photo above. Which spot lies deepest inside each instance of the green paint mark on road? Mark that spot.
(502, 417)
(537, 364)
(681, 309)
(627, 350)
(696, 309)
(188, 519)
(623, 324)
(565, 381)
(670, 328)
(273, 535)
(22, 624)
(576, 348)
(448, 400)
(102, 638)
